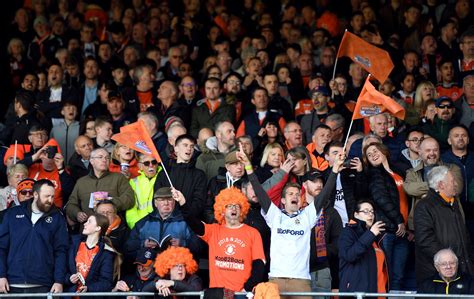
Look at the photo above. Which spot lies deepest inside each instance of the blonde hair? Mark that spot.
(419, 103)
(267, 150)
(115, 152)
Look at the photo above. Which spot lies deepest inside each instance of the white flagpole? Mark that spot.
(14, 155)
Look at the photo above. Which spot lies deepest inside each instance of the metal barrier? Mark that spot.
(201, 295)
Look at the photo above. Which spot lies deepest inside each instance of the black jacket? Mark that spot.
(357, 260)
(384, 193)
(53, 110)
(17, 128)
(189, 180)
(77, 168)
(439, 225)
(462, 284)
(333, 229)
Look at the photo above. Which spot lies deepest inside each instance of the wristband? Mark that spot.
(248, 167)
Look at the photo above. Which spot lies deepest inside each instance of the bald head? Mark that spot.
(429, 151)
(83, 146)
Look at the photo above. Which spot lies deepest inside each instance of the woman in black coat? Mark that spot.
(386, 190)
(358, 250)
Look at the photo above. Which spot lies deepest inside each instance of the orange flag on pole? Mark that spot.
(136, 137)
(372, 102)
(373, 59)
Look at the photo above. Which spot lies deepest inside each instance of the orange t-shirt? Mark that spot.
(84, 259)
(231, 253)
(401, 195)
(146, 99)
(37, 172)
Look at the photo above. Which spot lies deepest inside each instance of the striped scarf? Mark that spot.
(320, 233)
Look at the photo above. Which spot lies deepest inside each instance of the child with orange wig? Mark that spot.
(176, 267)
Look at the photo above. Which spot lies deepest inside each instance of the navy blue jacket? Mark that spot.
(357, 260)
(101, 272)
(467, 169)
(33, 254)
(154, 226)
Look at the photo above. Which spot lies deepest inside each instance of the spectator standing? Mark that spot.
(99, 184)
(361, 260)
(439, 224)
(34, 227)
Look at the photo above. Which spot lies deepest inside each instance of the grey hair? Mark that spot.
(372, 118)
(11, 170)
(339, 119)
(138, 72)
(96, 150)
(438, 254)
(436, 175)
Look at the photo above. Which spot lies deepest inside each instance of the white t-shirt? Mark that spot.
(340, 203)
(290, 241)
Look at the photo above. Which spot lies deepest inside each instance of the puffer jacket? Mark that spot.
(440, 225)
(384, 193)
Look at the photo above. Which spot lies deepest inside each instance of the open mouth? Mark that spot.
(233, 214)
(294, 202)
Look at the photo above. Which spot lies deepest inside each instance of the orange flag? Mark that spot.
(373, 59)
(372, 102)
(136, 136)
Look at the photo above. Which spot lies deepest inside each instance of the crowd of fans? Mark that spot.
(250, 117)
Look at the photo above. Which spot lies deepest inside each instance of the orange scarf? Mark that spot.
(114, 225)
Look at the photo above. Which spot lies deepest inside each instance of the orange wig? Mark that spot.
(230, 196)
(175, 256)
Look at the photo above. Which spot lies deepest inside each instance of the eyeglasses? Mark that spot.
(448, 106)
(188, 84)
(101, 157)
(447, 264)
(234, 82)
(295, 131)
(149, 163)
(232, 206)
(26, 192)
(416, 140)
(367, 212)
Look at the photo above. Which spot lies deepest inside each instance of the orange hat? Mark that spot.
(25, 184)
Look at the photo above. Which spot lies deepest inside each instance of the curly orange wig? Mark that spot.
(175, 256)
(230, 196)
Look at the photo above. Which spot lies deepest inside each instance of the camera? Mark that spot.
(347, 163)
(51, 151)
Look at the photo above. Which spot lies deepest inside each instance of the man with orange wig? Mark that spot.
(236, 258)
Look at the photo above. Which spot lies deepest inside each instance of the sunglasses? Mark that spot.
(448, 106)
(26, 192)
(149, 163)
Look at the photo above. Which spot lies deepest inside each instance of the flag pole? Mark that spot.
(337, 57)
(15, 155)
(166, 173)
(352, 120)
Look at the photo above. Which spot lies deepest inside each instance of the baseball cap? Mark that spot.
(320, 89)
(231, 158)
(145, 257)
(114, 94)
(163, 192)
(312, 175)
(443, 99)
